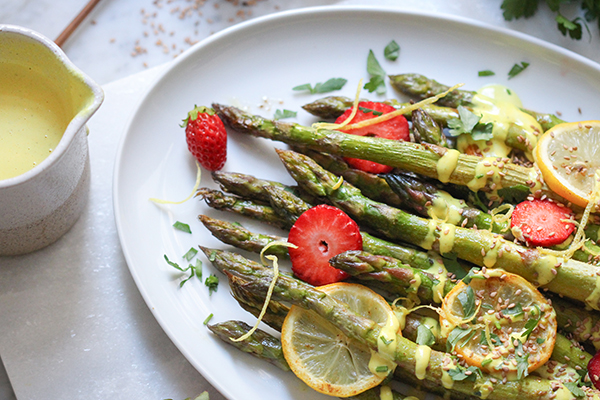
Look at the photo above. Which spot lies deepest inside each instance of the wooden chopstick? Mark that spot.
(62, 38)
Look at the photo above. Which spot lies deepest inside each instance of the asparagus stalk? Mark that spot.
(426, 129)
(260, 344)
(367, 332)
(408, 156)
(333, 106)
(222, 201)
(569, 278)
(421, 87)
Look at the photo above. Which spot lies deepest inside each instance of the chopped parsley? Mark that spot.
(517, 69)
(377, 82)
(207, 320)
(282, 114)
(195, 270)
(182, 227)
(458, 335)
(368, 110)
(212, 282)
(461, 374)
(522, 361)
(382, 368)
(574, 389)
(467, 301)
(486, 72)
(328, 86)
(385, 341)
(191, 253)
(468, 123)
(532, 323)
(391, 51)
(424, 336)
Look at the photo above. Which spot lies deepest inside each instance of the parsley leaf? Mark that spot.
(574, 389)
(456, 335)
(514, 194)
(377, 82)
(468, 122)
(486, 72)
(425, 336)
(195, 270)
(328, 86)
(522, 364)
(467, 301)
(515, 311)
(191, 253)
(182, 227)
(453, 266)
(517, 69)
(472, 274)
(391, 51)
(212, 282)
(368, 110)
(515, 9)
(532, 323)
(281, 114)
(460, 374)
(572, 28)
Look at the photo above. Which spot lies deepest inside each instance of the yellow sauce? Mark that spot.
(446, 240)
(500, 106)
(385, 393)
(32, 119)
(446, 208)
(429, 238)
(544, 267)
(440, 273)
(447, 164)
(386, 347)
(422, 355)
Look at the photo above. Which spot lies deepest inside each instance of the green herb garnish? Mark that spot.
(486, 72)
(391, 51)
(329, 86)
(377, 82)
(207, 320)
(212, 282)
(517, 69)
(182, 227)
(467, 301)
(368, 110)
(282, 114)
(468, 123)
(424, 336)
(191, 253)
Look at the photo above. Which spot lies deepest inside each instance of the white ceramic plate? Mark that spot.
(255, 65)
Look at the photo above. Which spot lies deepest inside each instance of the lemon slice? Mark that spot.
(500, 323)
(568, 155)
(322, 356)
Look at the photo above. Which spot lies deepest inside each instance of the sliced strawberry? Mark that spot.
(321, 233)
(594, 370)
(395, 129)
(542, 222)
(206, 137)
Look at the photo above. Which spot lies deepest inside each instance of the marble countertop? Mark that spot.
(72, 323)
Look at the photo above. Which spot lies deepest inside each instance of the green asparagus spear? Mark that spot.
(246, 186)
(428, 200)
(426, 129)
(268, 348)
(420, 87)
(372, 186)
(259, 344)
(569, 278)
(468, 170)
(367, 332)
(222, 201)
(333, 106)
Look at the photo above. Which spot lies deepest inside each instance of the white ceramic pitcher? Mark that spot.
(38, 206)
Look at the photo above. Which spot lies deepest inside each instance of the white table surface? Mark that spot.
(72, 322)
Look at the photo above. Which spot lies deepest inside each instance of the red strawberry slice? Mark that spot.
(542, 222)
(395, 129)
(321, 233)
(206, 137)
(594, 370)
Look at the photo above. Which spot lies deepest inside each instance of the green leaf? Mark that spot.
(572, 28)
(468, 123)
(368, 110)
(212, 282)
(191, 253)
(467, 301)
(532, 323)
(515, 311)
(424, 336)
(515, 9)
(486, 72)
(377, 74)
(522, 363)
(472, 274)
(453, 266)
(574, 389)
(173, 264)
(493, 337)
(456, 335)
(459, 373)
(382, 368)
(328, 86)
(207, 320)
(198, 269)
(514, 194)
(182, 227)
(386, 341)
(517, 69)
(281, 114)
(391, 51)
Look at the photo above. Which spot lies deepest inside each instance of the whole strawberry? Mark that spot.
(206, 137)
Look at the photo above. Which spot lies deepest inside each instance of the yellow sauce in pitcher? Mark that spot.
(33, 118)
